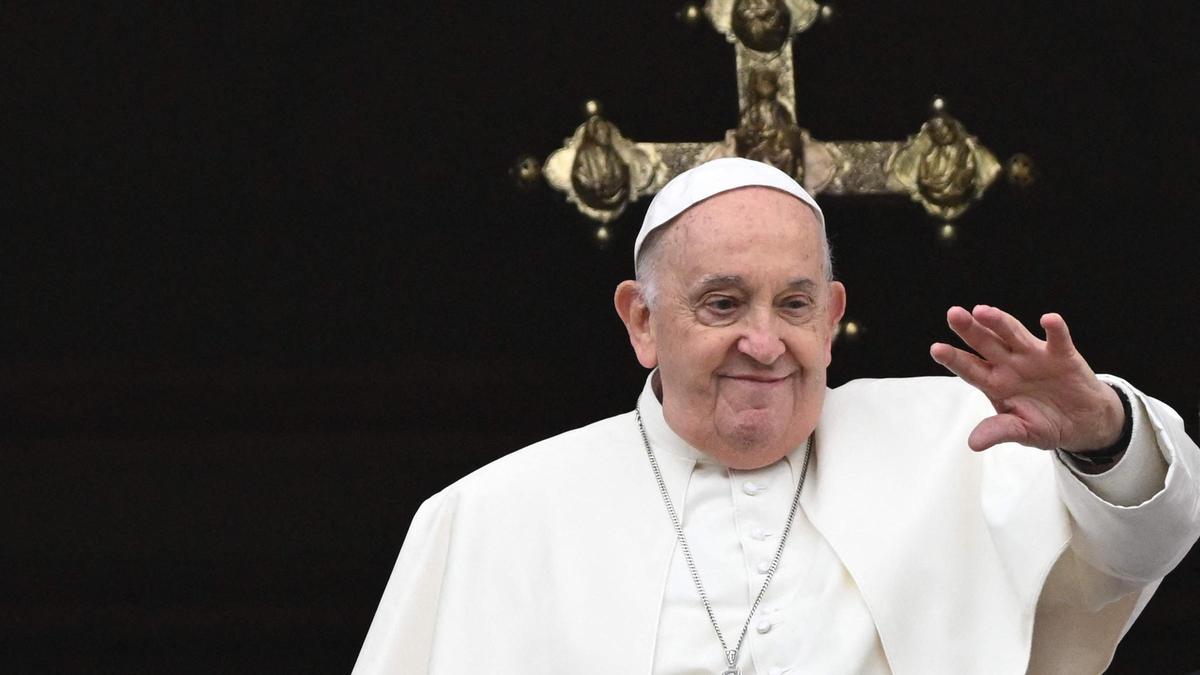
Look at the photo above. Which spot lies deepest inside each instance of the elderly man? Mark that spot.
(746, 519)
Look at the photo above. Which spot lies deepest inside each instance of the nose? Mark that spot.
(760, 340)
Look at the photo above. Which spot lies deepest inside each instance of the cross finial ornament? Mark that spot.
(941, 167)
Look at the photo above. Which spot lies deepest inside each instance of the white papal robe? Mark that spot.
(559, 558)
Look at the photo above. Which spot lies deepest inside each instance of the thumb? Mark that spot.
(995, 430)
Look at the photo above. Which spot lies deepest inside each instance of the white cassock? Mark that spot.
(910, 554)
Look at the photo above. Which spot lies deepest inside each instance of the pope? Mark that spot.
(745, 518)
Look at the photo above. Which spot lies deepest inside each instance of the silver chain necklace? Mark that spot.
(731, 655)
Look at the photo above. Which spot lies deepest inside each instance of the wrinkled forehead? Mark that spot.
(697, 185)
(749, 219)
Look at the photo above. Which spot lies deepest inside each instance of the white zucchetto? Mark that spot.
(712, 178)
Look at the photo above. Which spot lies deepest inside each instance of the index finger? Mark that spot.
(1011, 331)
(977, 336)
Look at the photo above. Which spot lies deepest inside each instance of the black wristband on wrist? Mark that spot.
(1108, 456)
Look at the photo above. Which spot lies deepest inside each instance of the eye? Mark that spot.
(718, 308)
(720, 304)
(796, 304)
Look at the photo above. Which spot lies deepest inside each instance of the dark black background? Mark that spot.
(265, 285)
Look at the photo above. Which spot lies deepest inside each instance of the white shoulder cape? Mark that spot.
(553, 559)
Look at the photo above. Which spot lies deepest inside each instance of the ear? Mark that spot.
(837, 308)
(636, 316)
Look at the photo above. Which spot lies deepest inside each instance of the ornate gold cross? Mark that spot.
(941, 167)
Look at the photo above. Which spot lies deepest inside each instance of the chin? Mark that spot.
(758, 423)
(753, 436)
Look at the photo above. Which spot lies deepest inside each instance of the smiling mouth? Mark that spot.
(758, 379)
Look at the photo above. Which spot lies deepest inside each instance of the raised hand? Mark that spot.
(1045, 394)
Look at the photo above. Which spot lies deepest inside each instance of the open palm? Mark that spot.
(1044, 392)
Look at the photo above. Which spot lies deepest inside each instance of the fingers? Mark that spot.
(998, 429)
(1004, 325)
(979, 337)
(1058, 336)
(994, 333)
(972, 369)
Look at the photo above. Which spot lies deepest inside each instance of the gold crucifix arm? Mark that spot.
(941, 167)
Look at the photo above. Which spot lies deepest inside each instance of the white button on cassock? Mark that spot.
(751, 488)
(764, 627)
(764, 567)
(759, 534)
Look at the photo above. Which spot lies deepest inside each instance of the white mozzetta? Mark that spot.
(560, 557)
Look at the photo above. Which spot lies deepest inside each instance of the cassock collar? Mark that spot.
(662, 437)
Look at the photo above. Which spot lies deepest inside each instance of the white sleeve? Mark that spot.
(1141, 472)
(1136, 525)
(401, 635)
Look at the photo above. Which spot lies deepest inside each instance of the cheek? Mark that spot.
(691, 343)
(714, 348)
(811, 349)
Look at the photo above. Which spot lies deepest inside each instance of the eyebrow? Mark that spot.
(714, 281)
(802, 284)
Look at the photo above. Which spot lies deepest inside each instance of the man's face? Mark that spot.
(742, 329)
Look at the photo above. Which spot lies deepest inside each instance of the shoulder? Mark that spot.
(904, 390)
(900, 386)
(903, 403)
(595, 451)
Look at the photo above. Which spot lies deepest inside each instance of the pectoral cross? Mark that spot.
(941, 167)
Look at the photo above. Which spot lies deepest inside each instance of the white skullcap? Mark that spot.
(712, 178)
